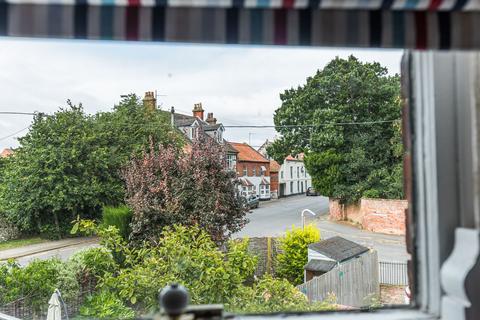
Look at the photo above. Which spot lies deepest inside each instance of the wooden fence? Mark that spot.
(353, 283)
(393, 273)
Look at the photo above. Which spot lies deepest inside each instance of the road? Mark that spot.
(275, 217)
(272, 219)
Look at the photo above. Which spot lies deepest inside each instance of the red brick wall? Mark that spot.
(273, 181)
(250, 166)
(377, 215)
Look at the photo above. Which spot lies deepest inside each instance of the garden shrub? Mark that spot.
(106, 305)
(294, 252)
(119, 217)
(91, 264)
(36, 282)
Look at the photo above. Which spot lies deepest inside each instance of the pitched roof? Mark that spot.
(338, 248)
(6, 152)
(247, 153)
(264, 182)
(319, 265)
(245, 182)
(274, 166)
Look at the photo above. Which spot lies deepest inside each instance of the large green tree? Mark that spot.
(346, 119)
(69, 163)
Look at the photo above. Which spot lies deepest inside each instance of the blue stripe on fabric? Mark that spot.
(106, 22)
(386, 4)
(4, 18)
(238, 3)
(108, 2)
(411, 4)
(256, 26)
(263, 3)
(398, 25)
(459, 5)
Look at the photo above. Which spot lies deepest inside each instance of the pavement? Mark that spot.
(273, 218)
(62, 249)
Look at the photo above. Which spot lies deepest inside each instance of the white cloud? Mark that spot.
(240, 84)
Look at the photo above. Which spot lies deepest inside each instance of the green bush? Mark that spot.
(294, 252)
(91, 264)
(119, 217)
(106, 305)
(36, 282)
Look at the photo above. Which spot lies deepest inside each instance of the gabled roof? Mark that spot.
(274, 166)
(319, 265)
(338, 248)
(247, 153)
(245, 182)
(264, 182)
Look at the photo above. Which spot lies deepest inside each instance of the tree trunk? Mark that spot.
(57, 225)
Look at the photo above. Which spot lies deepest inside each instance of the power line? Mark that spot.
(12, 134)
(313, 125)
(18, 113)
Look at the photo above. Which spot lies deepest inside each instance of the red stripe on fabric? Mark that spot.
(131, 21)
(421, 30)
(280, 23)
(134, 3)
(434, 4)
(288, 4)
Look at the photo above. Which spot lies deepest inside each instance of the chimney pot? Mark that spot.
(210, 119)
(198, 110)
(149, 101)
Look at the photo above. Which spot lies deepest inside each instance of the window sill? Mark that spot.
(392, 314)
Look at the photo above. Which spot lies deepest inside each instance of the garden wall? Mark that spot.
(377, 215)
(7, 231)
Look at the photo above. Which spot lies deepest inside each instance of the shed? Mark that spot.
(324, 255)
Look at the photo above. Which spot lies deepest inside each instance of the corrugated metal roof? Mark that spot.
(338, 248)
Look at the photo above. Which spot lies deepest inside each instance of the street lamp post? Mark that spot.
(303, 216)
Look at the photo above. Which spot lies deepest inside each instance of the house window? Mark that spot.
(281, 174)
(263, 170)
(291, 186)
(298, 172)
(298, 185)
(231, 161)
(245, 171)
(291, 172)
(254, 172)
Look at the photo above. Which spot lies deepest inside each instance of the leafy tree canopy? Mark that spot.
(69, 163)
(345, 161)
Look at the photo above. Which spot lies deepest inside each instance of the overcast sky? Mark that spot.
(239, 84)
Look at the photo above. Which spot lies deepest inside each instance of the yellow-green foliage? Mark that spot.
(294, 248)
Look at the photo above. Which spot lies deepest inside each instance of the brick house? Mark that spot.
(195, 125)
(253, 171)
(274, 179)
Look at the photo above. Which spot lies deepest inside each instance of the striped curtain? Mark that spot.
(420, 24)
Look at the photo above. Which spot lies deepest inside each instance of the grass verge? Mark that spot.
(20, 243)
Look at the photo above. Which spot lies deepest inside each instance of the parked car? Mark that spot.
(252, 201)
(311, 192)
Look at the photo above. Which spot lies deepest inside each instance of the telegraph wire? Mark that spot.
(12, 134)
(19, 113)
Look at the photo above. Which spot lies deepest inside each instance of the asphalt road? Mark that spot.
(275, 217)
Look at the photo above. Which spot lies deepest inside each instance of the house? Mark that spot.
(6, 153)
(195, 125)
(293, 176)
(274, 170)
(253, 171)
(323, 256)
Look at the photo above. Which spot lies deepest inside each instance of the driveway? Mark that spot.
(273, 218)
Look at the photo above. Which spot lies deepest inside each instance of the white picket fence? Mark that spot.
(353, 283)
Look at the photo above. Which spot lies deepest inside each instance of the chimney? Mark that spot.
(198, 110)
(210, 119)
(150, 102)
